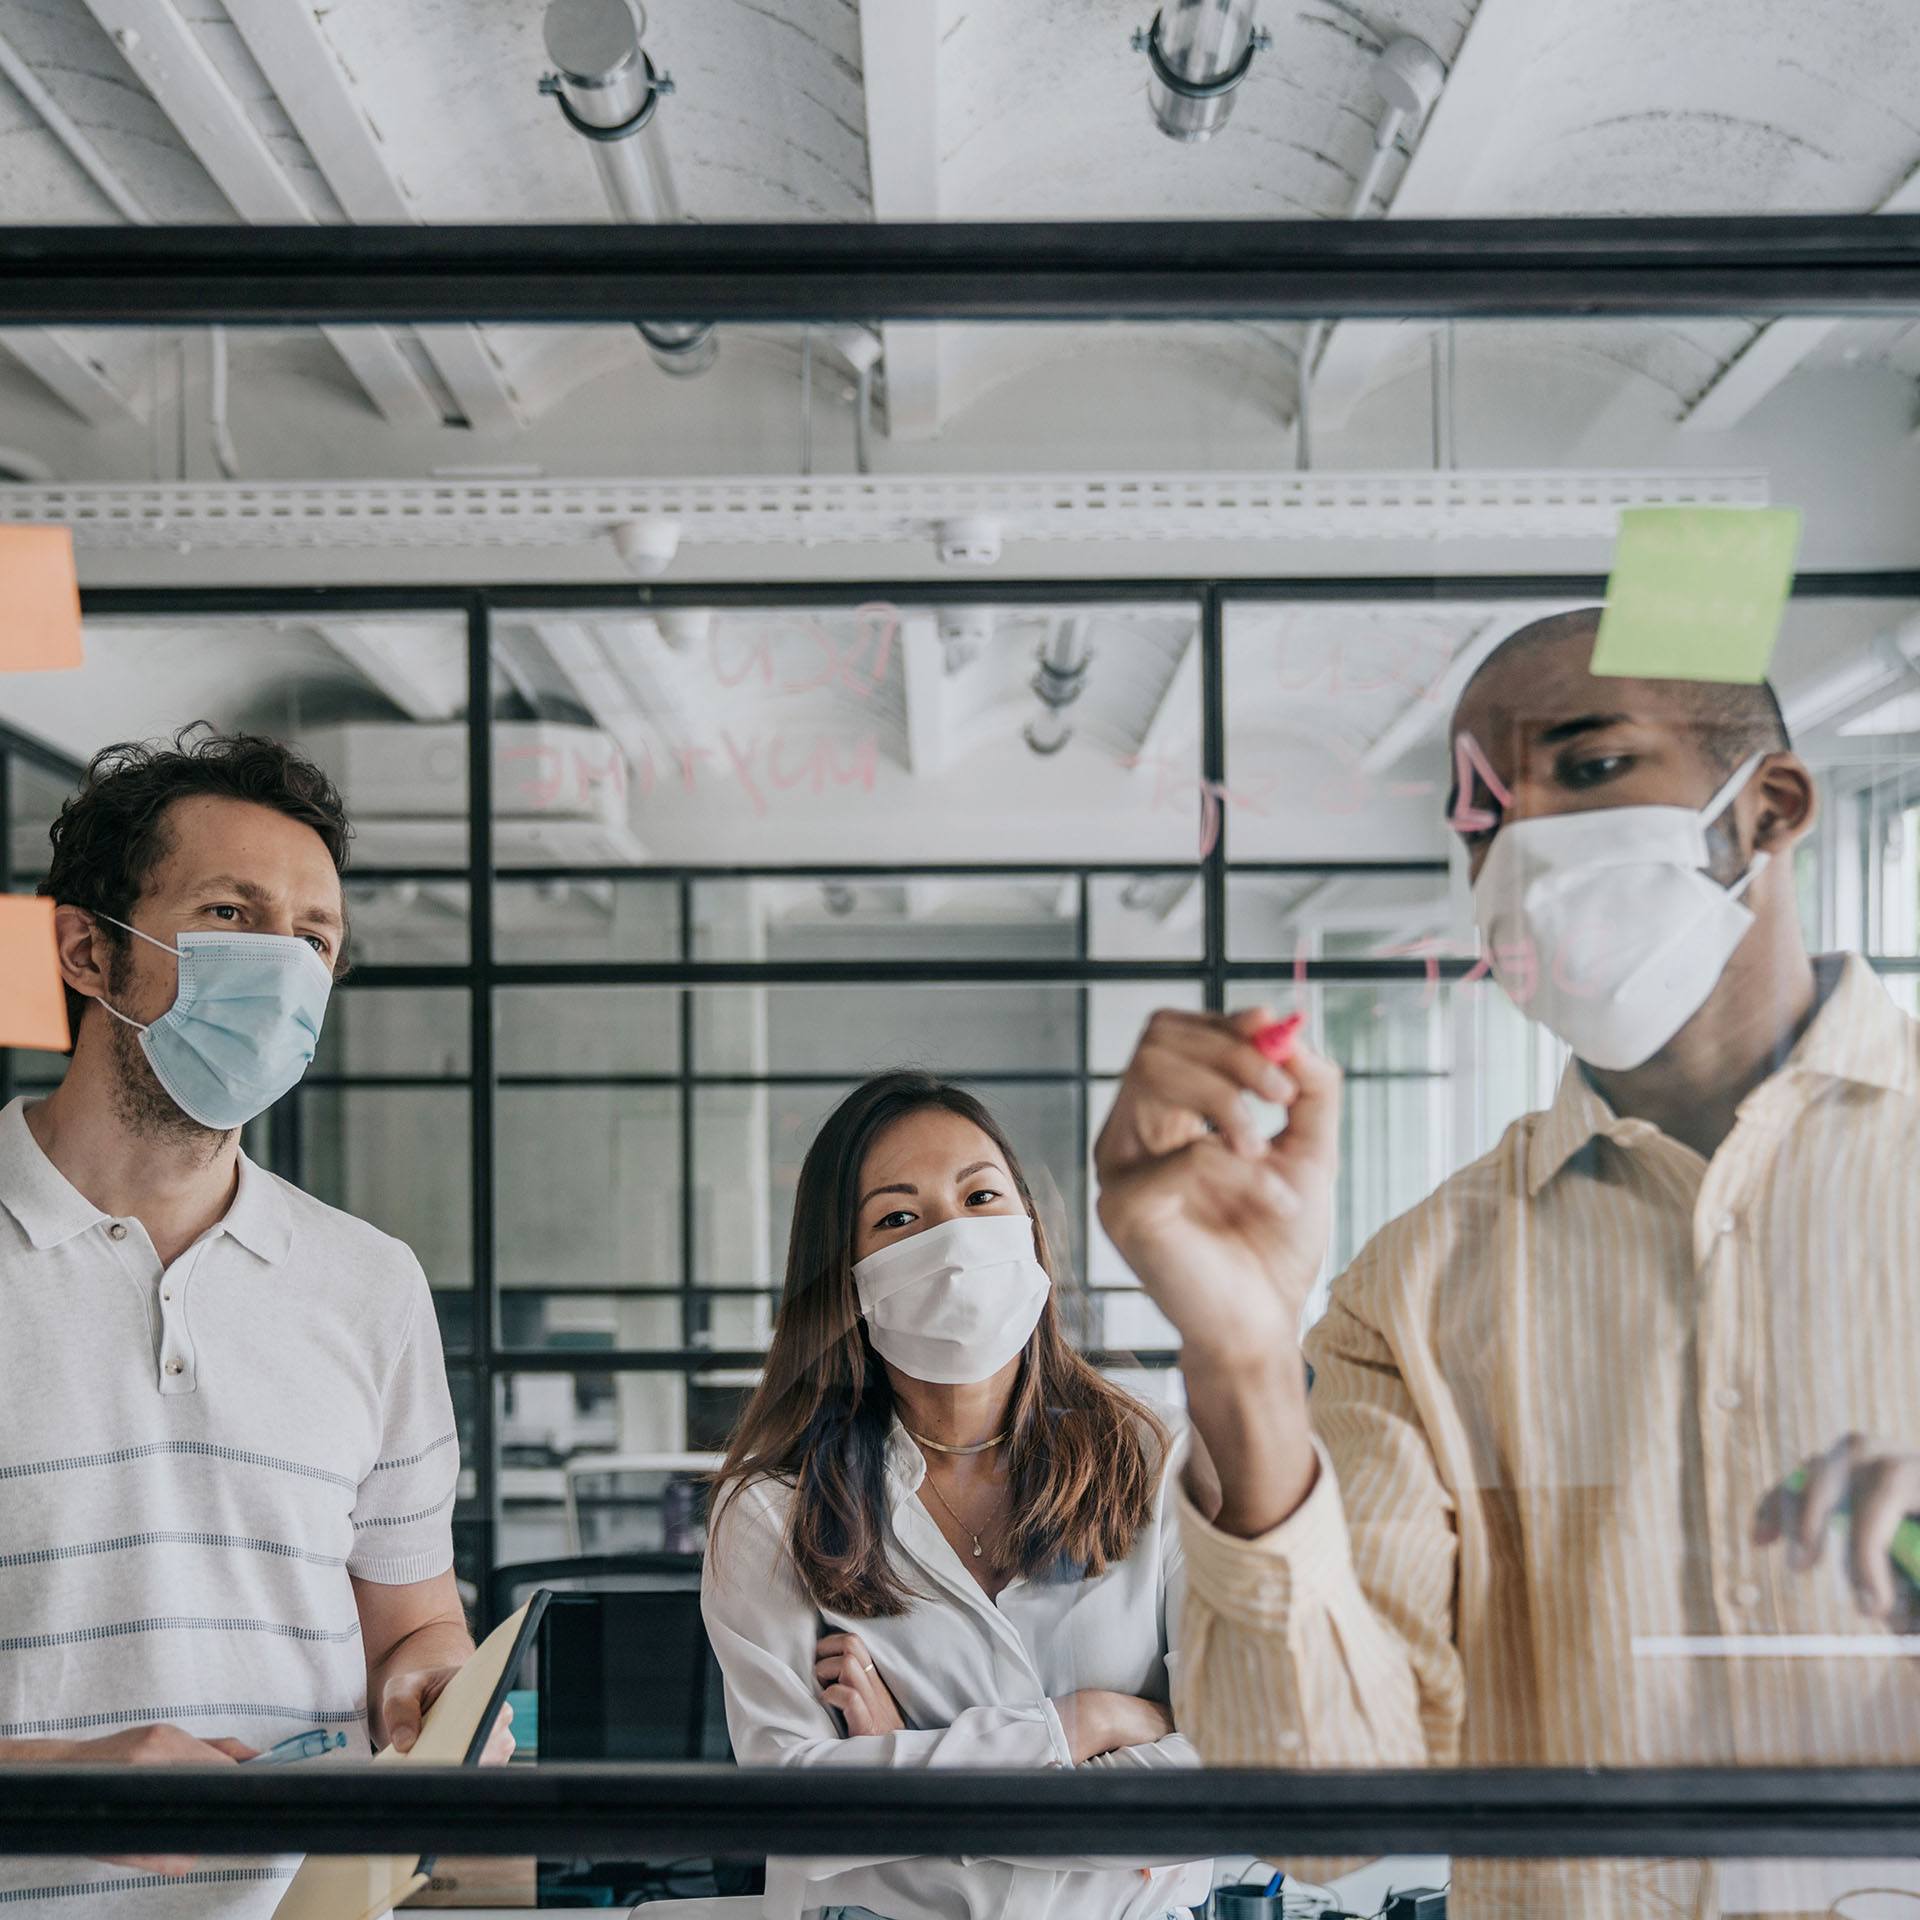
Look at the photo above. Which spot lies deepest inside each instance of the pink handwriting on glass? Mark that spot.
(1175, 784)
(1417, 663)
(778, 762)
(857, 666)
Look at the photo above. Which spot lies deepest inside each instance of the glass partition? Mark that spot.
(686, 805)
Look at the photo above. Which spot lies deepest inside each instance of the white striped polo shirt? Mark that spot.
(192, 1463)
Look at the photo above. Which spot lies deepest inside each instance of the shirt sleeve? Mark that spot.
(1330, 1640)
(764, 1628)
(403, 1513)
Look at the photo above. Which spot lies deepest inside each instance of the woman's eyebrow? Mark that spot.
(967, 1173)
(899, 1186)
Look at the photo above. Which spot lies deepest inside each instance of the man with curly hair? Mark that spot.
(227, 1450)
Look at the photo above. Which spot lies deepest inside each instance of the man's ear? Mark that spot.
(1786, 803)
(82, 949)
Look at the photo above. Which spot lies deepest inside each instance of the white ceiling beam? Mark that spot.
(61, 363)
(304, 71)
(1775, 351)
(899, 60)
(1175, 719)
(1445, 176)
(576, 651)
(923, 679)
(628, 679)
(58, 360)
(163, 50)
(427, 683)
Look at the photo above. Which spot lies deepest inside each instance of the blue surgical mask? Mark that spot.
(243, 1024)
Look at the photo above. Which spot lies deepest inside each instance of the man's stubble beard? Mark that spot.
(140, 1103)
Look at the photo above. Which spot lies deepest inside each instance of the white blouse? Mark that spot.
(976, 1680)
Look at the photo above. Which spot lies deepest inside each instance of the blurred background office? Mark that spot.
(939, 694)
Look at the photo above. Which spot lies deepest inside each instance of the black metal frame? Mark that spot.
(667, 1812)
(960, 271)
(486, 1358)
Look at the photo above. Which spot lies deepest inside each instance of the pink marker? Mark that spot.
(1277, 1041)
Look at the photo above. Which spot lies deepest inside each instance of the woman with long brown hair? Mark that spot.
(941, 1537)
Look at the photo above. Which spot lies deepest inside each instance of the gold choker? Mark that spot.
(935, 1446)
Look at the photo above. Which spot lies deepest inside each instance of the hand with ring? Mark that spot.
(850, 1684)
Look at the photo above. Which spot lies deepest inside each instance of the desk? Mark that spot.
(1364, 1890)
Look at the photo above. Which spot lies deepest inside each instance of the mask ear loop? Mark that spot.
(139, 1026)
(1734, 786)
(1730, 791)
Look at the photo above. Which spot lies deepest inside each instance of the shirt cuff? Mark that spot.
(1057, 1734)
(1263, 1581)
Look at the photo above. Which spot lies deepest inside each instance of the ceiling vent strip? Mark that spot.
(777, 512)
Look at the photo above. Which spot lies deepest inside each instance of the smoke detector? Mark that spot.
(684, 628)
(647, 546)
(972, 541)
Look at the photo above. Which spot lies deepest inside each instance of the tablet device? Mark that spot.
(454, 1733)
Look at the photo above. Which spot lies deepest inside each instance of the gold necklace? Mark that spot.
(940, 1446)
(958, 1522)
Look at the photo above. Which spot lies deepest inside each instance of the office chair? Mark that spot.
(624, 1672)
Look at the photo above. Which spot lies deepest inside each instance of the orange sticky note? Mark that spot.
(33, 1007)
(39, 600)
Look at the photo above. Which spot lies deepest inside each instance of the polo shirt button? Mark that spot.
(166, 1293)
(1287, 1740)
(173, 1366)
(1746, 1595)
(118, 1231)
(1726, 1398)
(1726, 1223)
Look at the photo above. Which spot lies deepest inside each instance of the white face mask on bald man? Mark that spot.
(954, 1303)
(1605, 925)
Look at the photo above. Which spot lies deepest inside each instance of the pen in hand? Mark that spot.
(300, 1746)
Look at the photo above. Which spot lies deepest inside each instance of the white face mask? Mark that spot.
(954, 1303)
(1605, 925)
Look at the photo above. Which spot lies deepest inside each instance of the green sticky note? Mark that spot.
(1696, 593)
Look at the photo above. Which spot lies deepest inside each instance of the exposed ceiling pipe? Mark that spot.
(1408, 76)
(609, 93)
(1060, 680)
(1198, 58)
(224, 451)
(1440, 375)
(860, 348)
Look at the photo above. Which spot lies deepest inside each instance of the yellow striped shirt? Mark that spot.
(1549, 1400)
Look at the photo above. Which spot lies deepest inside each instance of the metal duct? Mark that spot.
(1060, 680)
(610, 94)
(1199, 51)
(1408, 76)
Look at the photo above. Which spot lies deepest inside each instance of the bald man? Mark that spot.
(1542, 1508)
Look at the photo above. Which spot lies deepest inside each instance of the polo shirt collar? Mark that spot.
(51, 1210)
(259, 1217)
(1858, 1035)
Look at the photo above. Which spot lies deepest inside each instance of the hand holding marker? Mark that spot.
(1277, 1042)
(1905, 1550)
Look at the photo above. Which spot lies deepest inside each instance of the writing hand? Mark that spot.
(1225, 1228)
(850, 1684)
(1875, 1490)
